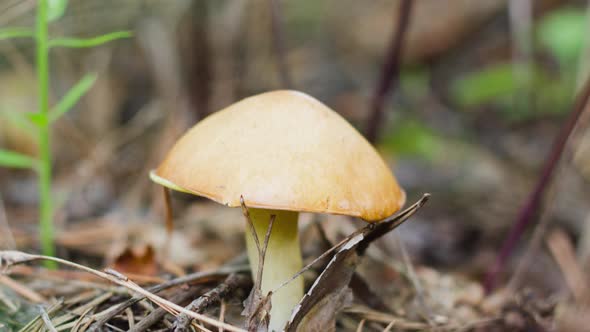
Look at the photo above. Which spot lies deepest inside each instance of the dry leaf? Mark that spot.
(137, 260)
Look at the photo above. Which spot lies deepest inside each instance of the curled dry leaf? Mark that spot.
(137, 260)
(330, 292)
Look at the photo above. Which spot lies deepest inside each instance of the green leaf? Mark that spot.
(485, 85)
(89, 42)
(16, 160)
(72, 96)
(410, 137)
(564, 33)
(56, 9)
(16, 33)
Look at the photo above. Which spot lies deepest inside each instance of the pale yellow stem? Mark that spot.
(282, 261)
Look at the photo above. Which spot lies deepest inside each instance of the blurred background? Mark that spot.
(484, 87)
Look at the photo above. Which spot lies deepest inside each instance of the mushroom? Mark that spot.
(284, 152)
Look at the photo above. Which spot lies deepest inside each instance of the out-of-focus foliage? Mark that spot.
(489, 84)
(72, 96)
(411, 137)
(56, 9)
(46, 12)
(564, 33)
(15, 160)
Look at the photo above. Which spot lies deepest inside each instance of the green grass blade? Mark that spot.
(72, 97)
(16, 33)
(89, 42)
(16, 160)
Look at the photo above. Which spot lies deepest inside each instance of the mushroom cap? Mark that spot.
(282, 150)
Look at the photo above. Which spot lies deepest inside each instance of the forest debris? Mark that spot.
(7, 302)
(156, 315)
(257, 306)
(37, 323)
(373, 315)
(563, 251)
(333, 282)
(103, 318)
(22, 290)
(216, 295)
(9, 258)
(138, 260)
(47, 320)
(570, 318)
(359, 286)
(493, 303)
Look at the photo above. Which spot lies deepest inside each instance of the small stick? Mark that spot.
(564, 254)
(221, 314)
(257, 301)
(246, 214)
(130, 318)
(262, 255)
(156, 315)
(215, 295)
(390, 71)
(113, 311)
(9, 258)
(47, 320)
(389, 326)
(261, 251)
(22, 290)
(361, 325)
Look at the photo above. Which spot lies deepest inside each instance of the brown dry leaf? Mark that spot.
(137, 260)
(322, 316)
(330, 292)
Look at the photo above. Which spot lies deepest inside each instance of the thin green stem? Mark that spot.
(88, 42)
(46, 204)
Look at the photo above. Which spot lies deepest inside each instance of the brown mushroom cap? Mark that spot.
(283, 150)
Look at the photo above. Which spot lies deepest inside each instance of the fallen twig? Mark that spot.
(564, 254)
(47, 320)
(22, 290)
(113, 311)
(216, 295)
(257, 305)
(156, 315)
(9, 258)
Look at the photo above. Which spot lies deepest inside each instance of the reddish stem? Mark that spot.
(533, 204)
(390, 71)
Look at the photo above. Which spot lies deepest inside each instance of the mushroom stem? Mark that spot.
(282, 261)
